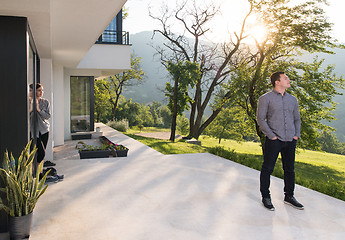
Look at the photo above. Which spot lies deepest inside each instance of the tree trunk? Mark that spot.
(174, 115)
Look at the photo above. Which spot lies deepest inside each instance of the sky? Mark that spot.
(138, 19)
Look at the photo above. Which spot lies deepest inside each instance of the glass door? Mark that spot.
(82, 119)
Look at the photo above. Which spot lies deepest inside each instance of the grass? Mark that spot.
(320, 171)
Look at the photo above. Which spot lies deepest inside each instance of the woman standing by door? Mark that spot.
(42, 124)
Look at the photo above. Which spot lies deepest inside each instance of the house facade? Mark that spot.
(64, 46)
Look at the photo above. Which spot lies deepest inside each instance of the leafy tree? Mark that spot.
(102, 102)
(165, 114)
(154, 110)
(291, 30)
(193, 45)
(238, 71)
(129, 110)
(231, 123)
(329, 143)
(182, 124)
(115, 84)
(146, 116)
(184, 75)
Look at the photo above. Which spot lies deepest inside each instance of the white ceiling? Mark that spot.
(64, 30)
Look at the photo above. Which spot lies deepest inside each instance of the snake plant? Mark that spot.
(22, 189)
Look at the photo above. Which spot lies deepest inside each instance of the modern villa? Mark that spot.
(64, 45)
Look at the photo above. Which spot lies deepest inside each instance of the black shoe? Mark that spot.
(293, 202)
(48, 164)
(51, 173)
(51, 179)
(268, 203)
(60, 177)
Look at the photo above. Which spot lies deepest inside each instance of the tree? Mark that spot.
(155, 106)
(329, 143)
(184, 75)
(231, 123)
(238, 71)
(115, 84)
(165, 114)
(193, 46)
(291, 31)
(102, 102)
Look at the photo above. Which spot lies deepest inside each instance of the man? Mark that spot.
(279, 119)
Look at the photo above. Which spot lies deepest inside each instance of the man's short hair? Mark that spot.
(276, 77)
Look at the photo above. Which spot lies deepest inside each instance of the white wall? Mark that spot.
(107, 56)
(58, 105)
(47, 81)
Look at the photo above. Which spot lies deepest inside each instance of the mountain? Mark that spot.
(157, 75)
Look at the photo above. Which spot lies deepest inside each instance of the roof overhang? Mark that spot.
(64, 30)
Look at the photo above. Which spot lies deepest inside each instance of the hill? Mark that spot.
(155, 75)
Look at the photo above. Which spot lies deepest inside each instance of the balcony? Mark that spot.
(113, 37)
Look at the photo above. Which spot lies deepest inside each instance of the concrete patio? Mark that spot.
(151, 196)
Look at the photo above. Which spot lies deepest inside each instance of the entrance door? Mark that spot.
(82, 104)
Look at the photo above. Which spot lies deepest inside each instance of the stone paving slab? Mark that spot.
(151, 196)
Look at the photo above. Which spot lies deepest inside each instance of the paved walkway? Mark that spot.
(150, 196)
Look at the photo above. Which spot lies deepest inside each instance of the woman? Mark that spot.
(42, 124)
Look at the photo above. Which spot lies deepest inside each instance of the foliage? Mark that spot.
(315, 90)
(231, 123)
(22, 189)
(237, 72)
(113, 86)
(182, 125)
(329, 143)
(184, 76)
(102, 101)
(291, 30)
(112, 145)
(154, 109)
(165, 114)
(81, 146)
(121, 125)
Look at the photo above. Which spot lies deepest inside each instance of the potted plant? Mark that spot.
(116, 149)
(121, 151)
(90, 151)
(22, 190)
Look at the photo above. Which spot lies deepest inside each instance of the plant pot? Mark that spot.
(19, 227)
(121, 153)
(94, 154)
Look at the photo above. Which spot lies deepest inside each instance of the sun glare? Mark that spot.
(258, 33)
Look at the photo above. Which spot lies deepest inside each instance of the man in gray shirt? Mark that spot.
(279, 119)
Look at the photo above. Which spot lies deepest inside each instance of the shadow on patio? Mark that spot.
(150, 196)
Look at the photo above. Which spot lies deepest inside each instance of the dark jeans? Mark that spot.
(272, 149)
(42, 141)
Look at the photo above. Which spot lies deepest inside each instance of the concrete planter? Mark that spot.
(94, 154)
(122, 152)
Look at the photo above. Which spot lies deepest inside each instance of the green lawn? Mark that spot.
(323, 172)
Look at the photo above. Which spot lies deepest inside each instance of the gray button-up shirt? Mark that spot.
(42, 118)
(278, 116)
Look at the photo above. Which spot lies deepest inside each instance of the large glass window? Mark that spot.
(81, 104)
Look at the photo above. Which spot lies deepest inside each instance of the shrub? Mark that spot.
(182, 125)
(121, 125)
